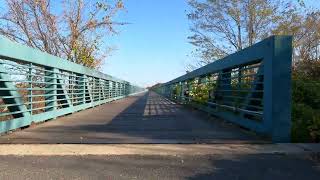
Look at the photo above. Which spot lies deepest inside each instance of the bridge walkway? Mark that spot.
(143, 118)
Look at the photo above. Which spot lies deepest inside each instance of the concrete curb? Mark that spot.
(155, 149)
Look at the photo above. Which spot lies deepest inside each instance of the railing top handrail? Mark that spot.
(14, 51)
(243, 57)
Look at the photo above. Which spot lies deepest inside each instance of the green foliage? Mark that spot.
(307, 93)
(176, 91)
(85, 55)
(200, 89)
(301, 116)
(200, 93)
(306, 110)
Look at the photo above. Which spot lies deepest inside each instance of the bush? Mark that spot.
(306, 110)
(302, 121)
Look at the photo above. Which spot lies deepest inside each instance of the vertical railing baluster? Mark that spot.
(108, 88)
(99, 89)
(122, 89)
(50, 88)
(114, 89)
(103, 84)
(117, 89)
(81, 88)
(226, 86)
(86, 93)
(30, 93)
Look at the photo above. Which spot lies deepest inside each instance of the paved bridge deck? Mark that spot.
(144, 118)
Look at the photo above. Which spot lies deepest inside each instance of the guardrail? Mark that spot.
(251, 88)
(36, 86)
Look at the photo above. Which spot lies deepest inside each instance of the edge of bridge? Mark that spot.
(263, 107)
(157, 149)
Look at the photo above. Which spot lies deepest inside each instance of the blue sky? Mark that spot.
(154, 47)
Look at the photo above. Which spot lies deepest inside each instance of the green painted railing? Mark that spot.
(36, 86)
(251, 88)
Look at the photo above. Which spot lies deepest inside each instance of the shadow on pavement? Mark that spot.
(148, 118)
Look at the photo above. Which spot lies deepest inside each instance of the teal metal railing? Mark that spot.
(251, 88)
(36, 86)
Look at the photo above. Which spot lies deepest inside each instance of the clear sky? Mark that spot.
(154, 47)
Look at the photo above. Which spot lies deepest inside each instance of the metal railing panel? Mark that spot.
(251, 88)
(36, 86)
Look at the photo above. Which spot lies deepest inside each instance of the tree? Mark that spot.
(306, 32)
(71, 29)
(221, 27)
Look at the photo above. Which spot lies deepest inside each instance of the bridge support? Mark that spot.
(277, 83)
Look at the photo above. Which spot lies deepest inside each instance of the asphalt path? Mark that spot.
(144, 118)
(224, 167)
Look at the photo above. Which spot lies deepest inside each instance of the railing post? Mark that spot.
(225, 84)
(90, 89)
(110, 89)
(126, 89)
(81, 89)
(120, 89)
(123, 89)
(51, 88)
(189, 87)
(114, 89)
(96, 90)
(106, 89)
(182, 92)
(30, 86)
(179, 98)
(277, 80)
(84, 89)
(99, 89)
(171, 90)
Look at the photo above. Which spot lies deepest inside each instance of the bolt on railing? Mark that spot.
(36, 86)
